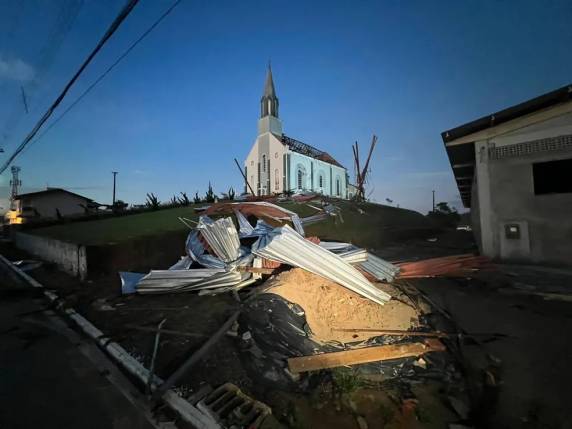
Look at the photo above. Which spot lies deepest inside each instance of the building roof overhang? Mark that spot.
(460, 141)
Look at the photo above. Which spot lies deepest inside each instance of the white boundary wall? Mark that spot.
(69, 257)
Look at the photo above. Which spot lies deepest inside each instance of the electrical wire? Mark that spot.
(110, 31)
(109, 69)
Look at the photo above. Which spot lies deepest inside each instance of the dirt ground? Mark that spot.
(526, 383)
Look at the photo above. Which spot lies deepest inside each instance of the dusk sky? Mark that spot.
(173, 115)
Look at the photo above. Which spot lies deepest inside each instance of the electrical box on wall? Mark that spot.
(514, 240)
(512, 231)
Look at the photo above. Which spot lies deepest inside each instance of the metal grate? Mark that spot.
(534, 146)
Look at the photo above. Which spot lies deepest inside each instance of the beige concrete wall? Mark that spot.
(548, 217)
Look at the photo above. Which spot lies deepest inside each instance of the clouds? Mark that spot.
(15, 69)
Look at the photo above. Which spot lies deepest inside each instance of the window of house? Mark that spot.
(276, 180)
(263, 162)
(300, 177)
(552, 177)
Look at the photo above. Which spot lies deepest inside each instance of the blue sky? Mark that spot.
(185, 102)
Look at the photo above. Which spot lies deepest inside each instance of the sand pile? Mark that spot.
(328, 305)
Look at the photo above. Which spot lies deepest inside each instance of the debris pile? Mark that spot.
(221, 258)
(451, 266)
(324, 303)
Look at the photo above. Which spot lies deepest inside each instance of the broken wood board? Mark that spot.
(365, 355)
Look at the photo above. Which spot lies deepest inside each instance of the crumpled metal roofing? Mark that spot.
(287, 246)
(260, 209)
(377, 267)
(221, 236)
(354, 256)
(246, 230)
(175, 281)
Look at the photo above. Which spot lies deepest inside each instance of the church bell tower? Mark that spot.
(269, 122)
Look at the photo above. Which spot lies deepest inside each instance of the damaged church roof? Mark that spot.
(305, 149)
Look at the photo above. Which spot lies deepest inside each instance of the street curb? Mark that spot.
(186, 410)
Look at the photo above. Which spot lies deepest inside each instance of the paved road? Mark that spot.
(45, 380)
(536, 354)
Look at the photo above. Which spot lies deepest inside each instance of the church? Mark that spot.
(278, 163)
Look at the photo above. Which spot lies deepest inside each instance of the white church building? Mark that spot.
(278, 163)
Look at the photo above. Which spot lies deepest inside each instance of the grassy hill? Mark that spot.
(377, 225)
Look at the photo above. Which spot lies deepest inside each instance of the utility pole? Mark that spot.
(433, 200)
(114, 176)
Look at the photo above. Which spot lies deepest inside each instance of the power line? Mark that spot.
(108, 70)
(112, 28)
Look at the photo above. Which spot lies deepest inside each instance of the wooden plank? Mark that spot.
(397, 333)
(257, 270)
(365, 355)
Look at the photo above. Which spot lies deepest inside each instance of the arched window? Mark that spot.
(338, 186)
(321, 181)
(276, 180)
(263, 162)
(300, 177)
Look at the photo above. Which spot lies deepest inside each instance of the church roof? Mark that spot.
(311, 151)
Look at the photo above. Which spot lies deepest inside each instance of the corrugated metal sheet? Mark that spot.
(176, 281)
(287, 246)
(379, 268)
(221, 236)
(354, 256)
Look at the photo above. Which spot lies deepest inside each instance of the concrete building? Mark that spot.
(278, 163)
(514, 170)
(50, 204)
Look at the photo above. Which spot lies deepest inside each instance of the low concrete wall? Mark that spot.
(69, 257)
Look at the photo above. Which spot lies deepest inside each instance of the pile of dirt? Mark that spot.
(329, 307)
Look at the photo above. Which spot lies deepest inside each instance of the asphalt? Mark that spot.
(46, 381)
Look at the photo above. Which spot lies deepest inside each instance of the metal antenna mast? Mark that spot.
(15, 183)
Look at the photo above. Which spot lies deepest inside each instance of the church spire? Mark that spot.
(269, 101)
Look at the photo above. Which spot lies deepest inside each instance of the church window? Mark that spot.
(276, 180)
(338, 186)
(276, 155)
(263, 162)
(321, 181)
(300, 177)
(252, 163)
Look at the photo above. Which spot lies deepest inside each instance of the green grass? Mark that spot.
(117, 229)
(377, 225)
(374, 228)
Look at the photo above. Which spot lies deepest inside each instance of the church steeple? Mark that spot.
(269, 101)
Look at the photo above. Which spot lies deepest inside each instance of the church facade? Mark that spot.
(278, 163)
